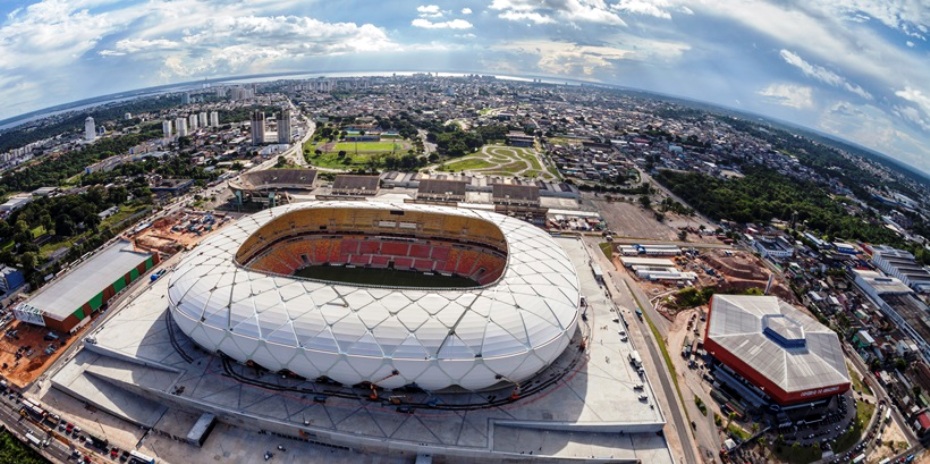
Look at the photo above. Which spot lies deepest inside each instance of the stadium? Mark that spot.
(271, 185)
(378, 294)
(785, 354)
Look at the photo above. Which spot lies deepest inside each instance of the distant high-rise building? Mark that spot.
(166, 128)
(258, 127)
(180, 125)
(284, 126)
(90, 130)
(185, 98)
(203, 119)
(127, 116)
(214, 119)
(192, 122)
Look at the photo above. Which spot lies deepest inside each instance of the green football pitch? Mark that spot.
(383, 277)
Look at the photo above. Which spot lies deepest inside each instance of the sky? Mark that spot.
(857, 69)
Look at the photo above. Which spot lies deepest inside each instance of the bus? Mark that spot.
(136, 457)
(33, 409)
(34, 440)
(887, 417)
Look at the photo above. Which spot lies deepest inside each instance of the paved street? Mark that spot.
(621, 295)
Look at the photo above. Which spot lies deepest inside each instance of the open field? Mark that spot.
(631, 220)
(357, 154)
(391, 277)
(366, 147)
(500, 160)
(469, 164)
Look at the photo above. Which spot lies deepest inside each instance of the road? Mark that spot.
(19, 426)
(678, 417)
(620, 290)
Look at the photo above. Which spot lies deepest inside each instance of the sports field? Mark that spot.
(383, 277)
(367, 147)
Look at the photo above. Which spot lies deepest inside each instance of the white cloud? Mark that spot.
(545, 12)
(533, 17)
(566, 58)
(131, 46)
(51, 32)
(466, 11)
(909, 44)
(919, 110)
(429, 11)
(793, 96)
(908, 17)
(822, 74)
(452, 24)
(656, 8)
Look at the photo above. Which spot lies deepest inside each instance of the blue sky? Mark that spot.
(859, 69)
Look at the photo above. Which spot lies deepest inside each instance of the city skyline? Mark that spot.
(856, 70)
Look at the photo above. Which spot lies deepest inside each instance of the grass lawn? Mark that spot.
(469, 164)
(798, 454)
(38, 231)
(47, 249)
(847, 440)
(333, 161)
(563, 141)
(608, 249)
(857, 382)
(358, 275)
(512, 168)
(368, 147)
(530, 158)
(122, 215)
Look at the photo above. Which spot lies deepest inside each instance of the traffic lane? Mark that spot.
(669, 391)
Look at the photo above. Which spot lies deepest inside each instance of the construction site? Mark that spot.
(678, 281)
(178, 231)
(26, 350)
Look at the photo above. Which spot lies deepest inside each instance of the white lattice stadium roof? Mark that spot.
(436, 338)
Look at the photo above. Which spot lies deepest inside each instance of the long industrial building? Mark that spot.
(785, 354)
(901, 264)
(68, 303)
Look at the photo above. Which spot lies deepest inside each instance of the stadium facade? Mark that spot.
(236, 294)
(787, 355)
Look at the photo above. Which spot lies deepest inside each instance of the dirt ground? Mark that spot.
(163, 236)
(630, 220)
(23, 371)
(891, 434)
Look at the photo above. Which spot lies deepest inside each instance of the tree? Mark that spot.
(645, 201)
(30, 261)
(682, 235)
(64, 225)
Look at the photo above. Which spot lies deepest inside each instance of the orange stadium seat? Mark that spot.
(419, 251)
(380, 261)
(403, 263)
(349, 246)
(394, 248)
(423, 265)
(370, 247)
(466, 264)
(440, 252)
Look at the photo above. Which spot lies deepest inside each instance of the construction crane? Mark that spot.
(374, 385)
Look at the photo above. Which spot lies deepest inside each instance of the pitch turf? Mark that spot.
(383, 277)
